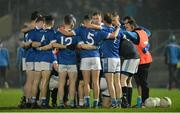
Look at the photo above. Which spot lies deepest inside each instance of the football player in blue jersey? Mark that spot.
(111, 62)
(33, 58)
(67, 60)
(47, 58)
(25, 45)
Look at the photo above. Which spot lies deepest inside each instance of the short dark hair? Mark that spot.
(133, 23)
(40, 18)
(35, 15)
(87, 17)
(96, 13)
(49, 19)
(108, 18)
(69, 19)
(129, 18)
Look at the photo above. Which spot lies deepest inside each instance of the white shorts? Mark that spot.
(130, 65)
(37, 66)
(91, 63)
(24, 64)
(45, 66)
(30, 66)
(67, 68)
(111, 65)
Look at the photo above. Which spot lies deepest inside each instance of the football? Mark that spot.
(150, 102)
(165, 102)
(157, 99)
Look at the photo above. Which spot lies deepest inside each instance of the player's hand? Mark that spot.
(39, 48)
(36, 44)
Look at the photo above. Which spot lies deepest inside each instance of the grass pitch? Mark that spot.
(9, 99)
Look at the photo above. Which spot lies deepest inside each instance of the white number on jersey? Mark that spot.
(90, 37)
(43, 38)
(68, 40)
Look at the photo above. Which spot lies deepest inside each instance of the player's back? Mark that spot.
(87, 36)
(67, 56)
(110, 47)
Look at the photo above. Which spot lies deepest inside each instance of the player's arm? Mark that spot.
(59, 46)
(92, 26)
(26, 28)
(25, 44)
(47, 47)
(36, 44)
(131, 36)
(114, 34)
(82, 45)
(66, 33)
(86, 46)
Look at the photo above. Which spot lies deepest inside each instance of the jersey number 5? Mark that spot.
(90, 39)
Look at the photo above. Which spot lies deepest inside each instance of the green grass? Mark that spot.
(9, 99)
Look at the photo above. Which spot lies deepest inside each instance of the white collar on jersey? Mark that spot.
(37, 27)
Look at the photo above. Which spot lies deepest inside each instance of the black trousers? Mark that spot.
(141, 80)
(172, 75)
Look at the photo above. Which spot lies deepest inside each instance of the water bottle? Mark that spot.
(139, 102)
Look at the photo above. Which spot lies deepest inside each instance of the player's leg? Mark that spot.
(138, 84)
(143, 82)
(29, 82)
(35, 86)
(117, 82)
(118, 89)
(28, 86)
(111, 88)
(130, 90)
(86, 78)
(80, 88)
(62, 81)
(72, 73)
(72, 80)
(44, 84)
(109, 69)
(85, 68)
(95, 81)
(81, 93)
(95, 72)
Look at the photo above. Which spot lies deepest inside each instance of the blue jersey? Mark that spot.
(36, 35)
(67, 56)
(110, 48)
(91, 37)
(25, 39)
(48, 37)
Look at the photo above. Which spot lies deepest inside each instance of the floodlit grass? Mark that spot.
(9, 99)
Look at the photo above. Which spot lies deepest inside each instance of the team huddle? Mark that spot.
(102, 54)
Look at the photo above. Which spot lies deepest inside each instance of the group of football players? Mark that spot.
(102, 54)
